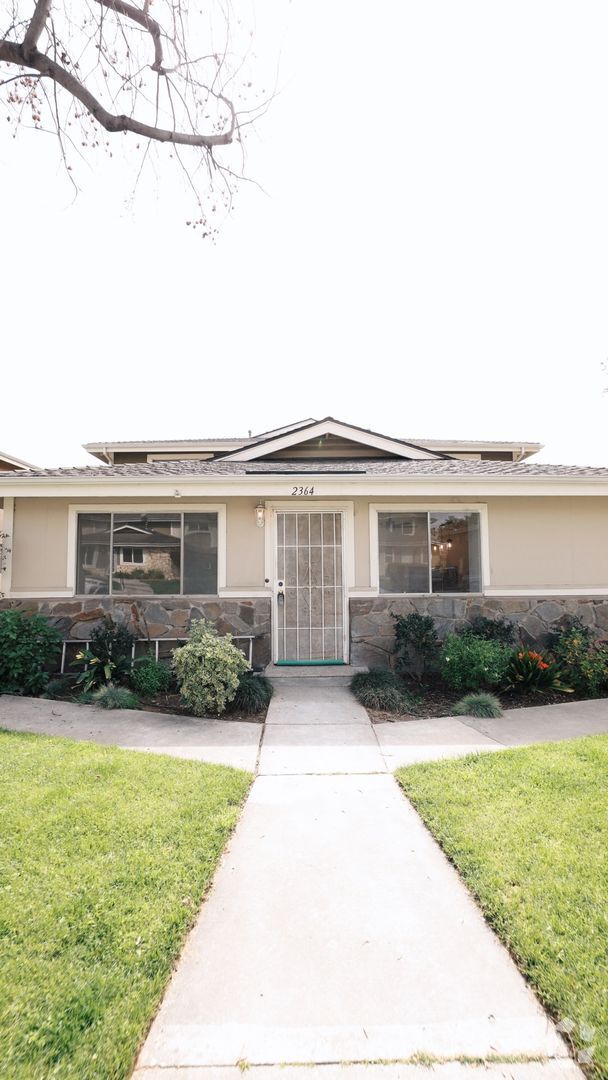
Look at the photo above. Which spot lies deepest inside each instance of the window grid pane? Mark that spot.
(147, 554)
(429, 552)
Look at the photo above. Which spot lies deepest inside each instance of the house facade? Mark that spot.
(304, 540)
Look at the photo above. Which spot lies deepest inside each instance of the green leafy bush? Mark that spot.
(483, 706)
(471, 663)
(499, 629)
(28, 648)
(207, 669)
(530, 670)
(253, 694)
(149, 677)
(381, 689)
(584, 662)
(114, 697)
(416, 642)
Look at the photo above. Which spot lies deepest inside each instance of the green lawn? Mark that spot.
(105, 855)
(528, 831)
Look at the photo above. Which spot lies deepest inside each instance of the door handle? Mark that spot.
(280, 593)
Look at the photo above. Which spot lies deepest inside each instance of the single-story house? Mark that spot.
(306, 538)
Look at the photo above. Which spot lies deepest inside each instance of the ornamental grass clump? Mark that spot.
(482, 706)
(382, 690)
(253, 694)
(207, 670)
(471, 663)
(113, 697)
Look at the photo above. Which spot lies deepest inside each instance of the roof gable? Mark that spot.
(304, 436)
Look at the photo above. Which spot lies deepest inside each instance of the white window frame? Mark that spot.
(428, 508)
(74, 509)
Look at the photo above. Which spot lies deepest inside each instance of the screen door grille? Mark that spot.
(310, 619)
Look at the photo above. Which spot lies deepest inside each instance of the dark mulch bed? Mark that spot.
(171, 703)
(436, 700)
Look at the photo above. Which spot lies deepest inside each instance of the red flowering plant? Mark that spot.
(530, 670)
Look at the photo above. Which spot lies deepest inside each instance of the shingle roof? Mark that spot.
(431, 468)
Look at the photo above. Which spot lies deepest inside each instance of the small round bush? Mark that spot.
(253, 694)
(207, 670)
(483, 706)
(114, 697)
(471, 663)
(150, 677)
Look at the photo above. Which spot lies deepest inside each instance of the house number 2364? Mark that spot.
(302, 490)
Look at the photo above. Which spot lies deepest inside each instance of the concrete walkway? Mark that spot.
(221, 742)
(337, 934)
(336, 941)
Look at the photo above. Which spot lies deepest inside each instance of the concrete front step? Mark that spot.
(312, 671)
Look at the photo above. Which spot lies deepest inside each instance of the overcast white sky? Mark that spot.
(431, 258)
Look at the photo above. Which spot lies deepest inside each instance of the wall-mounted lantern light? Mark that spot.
(260, 515)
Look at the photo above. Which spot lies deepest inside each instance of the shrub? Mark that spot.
(253, 694)
(108, 657)
(482, 706)
(114, 697)
(471, 663)
(149, 677)
(530, 670)
(28, 647)
(584, 662)
(416, 641)
(207, 669)
(58, 687)
(112, 641)
(499, 629)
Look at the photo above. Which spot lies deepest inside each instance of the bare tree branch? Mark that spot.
(142, 19)
(34, 30)
(14, 54)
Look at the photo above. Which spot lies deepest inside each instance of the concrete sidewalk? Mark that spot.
(405, 742)
(221, 742)
(336, 932)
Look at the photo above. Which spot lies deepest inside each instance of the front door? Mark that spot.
(309, 588)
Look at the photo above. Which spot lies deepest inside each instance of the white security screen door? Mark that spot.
(310, 587)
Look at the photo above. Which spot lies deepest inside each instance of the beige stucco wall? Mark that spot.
(552, 542)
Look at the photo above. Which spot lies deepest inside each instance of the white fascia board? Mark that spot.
(328, 427)
(189, 446)
(260, 485)
(10, 460)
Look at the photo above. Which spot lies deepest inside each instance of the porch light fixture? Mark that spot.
(260, 515)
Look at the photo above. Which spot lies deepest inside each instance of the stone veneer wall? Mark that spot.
(157, 617)
(372, 630)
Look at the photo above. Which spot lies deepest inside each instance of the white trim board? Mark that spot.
(331, 427)
(277, 486)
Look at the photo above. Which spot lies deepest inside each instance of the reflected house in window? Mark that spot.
(146, 550)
